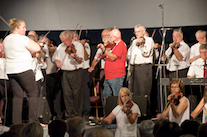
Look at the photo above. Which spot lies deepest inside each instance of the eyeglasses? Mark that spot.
(174, 87)
(138, 31)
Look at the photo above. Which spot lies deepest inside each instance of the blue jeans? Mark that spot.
(112, 87)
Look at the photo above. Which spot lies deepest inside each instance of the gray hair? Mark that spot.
(203, 46)
(140, 26)
(65, 33)
(146, 128)
(178, 30)
(76, 126)
(100, 132)
(32, 37)
(200, 32)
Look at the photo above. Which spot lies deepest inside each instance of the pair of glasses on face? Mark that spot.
(174, 87)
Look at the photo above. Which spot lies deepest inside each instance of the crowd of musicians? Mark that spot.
(33, 65)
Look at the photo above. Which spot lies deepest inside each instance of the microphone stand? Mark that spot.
(162, 52)
(129, 65)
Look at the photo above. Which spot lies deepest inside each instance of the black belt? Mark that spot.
(73, 70)
(141, 64)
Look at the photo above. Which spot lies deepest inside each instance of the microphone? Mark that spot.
(167, 29)
(161, 5)
(133, 38)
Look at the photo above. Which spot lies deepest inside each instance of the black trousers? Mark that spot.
(59, 107)
(86, 93)
(141, 80)
(50, 89)
(72, 85)
(19, 83)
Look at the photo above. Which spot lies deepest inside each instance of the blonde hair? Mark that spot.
(13, 23)
(33, 129)
(126, 91)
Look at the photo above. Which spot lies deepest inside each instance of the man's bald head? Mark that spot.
(115, 35)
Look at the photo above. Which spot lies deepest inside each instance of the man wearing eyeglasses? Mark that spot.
(198, 67)
(194, 50)
(140, 56)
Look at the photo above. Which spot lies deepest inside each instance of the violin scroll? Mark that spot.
(176, 97)
(141, 41)
(70, 49)
(127, 108)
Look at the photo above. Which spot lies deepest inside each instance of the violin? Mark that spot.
(70, 49)
(128, 105)
(175, 44)
(141, 43)
(176, 97)
(2, 55)
(109, 46)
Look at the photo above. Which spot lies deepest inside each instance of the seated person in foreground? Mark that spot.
(202, 106)
(179, 106)
(127, 118)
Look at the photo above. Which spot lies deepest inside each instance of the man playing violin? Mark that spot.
(33, 33)
(140, 56)
(72, 77)
(194, 50)
(114, 65)
(179, 106)
(177, 55)
(105, 34)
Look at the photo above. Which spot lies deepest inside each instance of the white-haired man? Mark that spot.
(140, 56)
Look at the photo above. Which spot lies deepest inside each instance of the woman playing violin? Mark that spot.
(126, 117)
(179, 108)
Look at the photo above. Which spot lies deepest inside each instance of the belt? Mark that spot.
(73, 70)
(141, 64)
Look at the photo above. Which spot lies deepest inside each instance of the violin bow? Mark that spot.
(44, 36)
(6, 24)
(80, 32)
(76, 27)
(4, 20)
(153, 33)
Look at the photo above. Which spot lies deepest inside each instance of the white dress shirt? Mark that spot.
(3, 74)
(141, 55)
(99, 51)
(196, 68)
(174, 64)
(86, 62)
(69, 63)
(194, 50)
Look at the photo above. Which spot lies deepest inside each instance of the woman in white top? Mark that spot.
(202, 106)
(17, 49)
(179, 106)
(126, 117)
